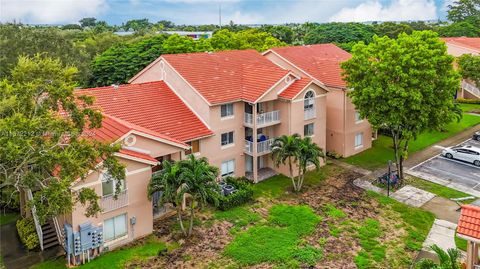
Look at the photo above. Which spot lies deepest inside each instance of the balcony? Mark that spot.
(263, 147)
(309, 113)
(109, 202)
(263, 119)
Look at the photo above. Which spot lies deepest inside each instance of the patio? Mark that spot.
(263, 173)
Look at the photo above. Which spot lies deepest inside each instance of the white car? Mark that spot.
(465, 153)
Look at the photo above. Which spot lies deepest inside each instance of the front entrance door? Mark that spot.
(248, 163)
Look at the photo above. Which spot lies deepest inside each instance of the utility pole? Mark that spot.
(220, 14)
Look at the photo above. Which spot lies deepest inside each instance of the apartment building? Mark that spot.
(457, 46)
(246, 101)
(226, 106)
(347, 133)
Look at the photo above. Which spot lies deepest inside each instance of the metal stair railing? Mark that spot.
(469, 87)
(38, 227)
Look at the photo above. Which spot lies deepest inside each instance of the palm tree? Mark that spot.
(447, 260)
(285, 150)
(309, 153)
(199, 179)
(169, 182)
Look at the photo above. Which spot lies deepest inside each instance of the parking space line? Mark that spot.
(458, 161)
(454, 175)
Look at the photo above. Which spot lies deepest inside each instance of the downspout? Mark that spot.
(344, 120)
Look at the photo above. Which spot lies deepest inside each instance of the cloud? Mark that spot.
(397, 10)
(50, 11)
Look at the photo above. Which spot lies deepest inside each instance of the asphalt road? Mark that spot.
(453, 171)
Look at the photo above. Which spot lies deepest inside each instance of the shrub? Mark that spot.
(334, 155)
(468, 101)
(28, 234)
(243, 194)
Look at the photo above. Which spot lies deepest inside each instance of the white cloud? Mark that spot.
(50, 11)
(397, 10)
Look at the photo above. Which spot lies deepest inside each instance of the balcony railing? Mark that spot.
(263, 118)
(262, 147)
(109, 203)
(309, 113)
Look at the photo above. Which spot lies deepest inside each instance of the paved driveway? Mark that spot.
(455, 174)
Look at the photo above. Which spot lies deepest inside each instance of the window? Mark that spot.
(308, 129)
(227, 138)
(194, 147)
(358, 119)
(115, 227)
(359, 140)
(109, 184)
(226, 110)
(309, 100)
(228, 168)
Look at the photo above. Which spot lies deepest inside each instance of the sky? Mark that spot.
(207, 11)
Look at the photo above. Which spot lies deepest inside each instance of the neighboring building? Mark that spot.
(347, 133)
(469, 229)
(457, 46)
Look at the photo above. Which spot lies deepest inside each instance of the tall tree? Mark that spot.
(137, 25)
(460, 10)
(411, 83)
(43, 146)
(122, 61)
(337, 32)
(19, 40)
(285, 151)
(178, 44)
(392, 29)
(88, 22)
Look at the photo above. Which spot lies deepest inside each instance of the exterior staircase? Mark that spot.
(50, 238)
(49, 234)
(471, 88)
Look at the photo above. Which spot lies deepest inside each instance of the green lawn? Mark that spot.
(114, 259)
(9, 217)
(278, 185)
(278, 240)
(382, 151)
(437, 189)
(419, 221)
(470, 107)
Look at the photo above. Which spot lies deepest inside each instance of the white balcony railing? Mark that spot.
(262, 147)
(309, 113)
(263, 118)
(109, 202)
(470, 88)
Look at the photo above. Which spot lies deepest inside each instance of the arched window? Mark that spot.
(309, 100)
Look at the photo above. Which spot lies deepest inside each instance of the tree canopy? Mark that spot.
(405, 86)
(44, 147)
(461, 10)
(469, 67)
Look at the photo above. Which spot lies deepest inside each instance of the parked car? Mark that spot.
(476, 136)
(465, 153)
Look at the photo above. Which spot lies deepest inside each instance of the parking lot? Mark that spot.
(453, 173)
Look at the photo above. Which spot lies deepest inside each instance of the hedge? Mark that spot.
(28, 234)
(468, 101)
(243, 194)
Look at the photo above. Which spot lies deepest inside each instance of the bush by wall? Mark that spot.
(468, 101)
(243, 194)
(28, 234)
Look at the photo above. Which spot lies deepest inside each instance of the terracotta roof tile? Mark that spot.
(469, 222)
(151, 107)
(295, 88)
(321, 61)
(467, 42)
(227, 76)
(138, 155)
